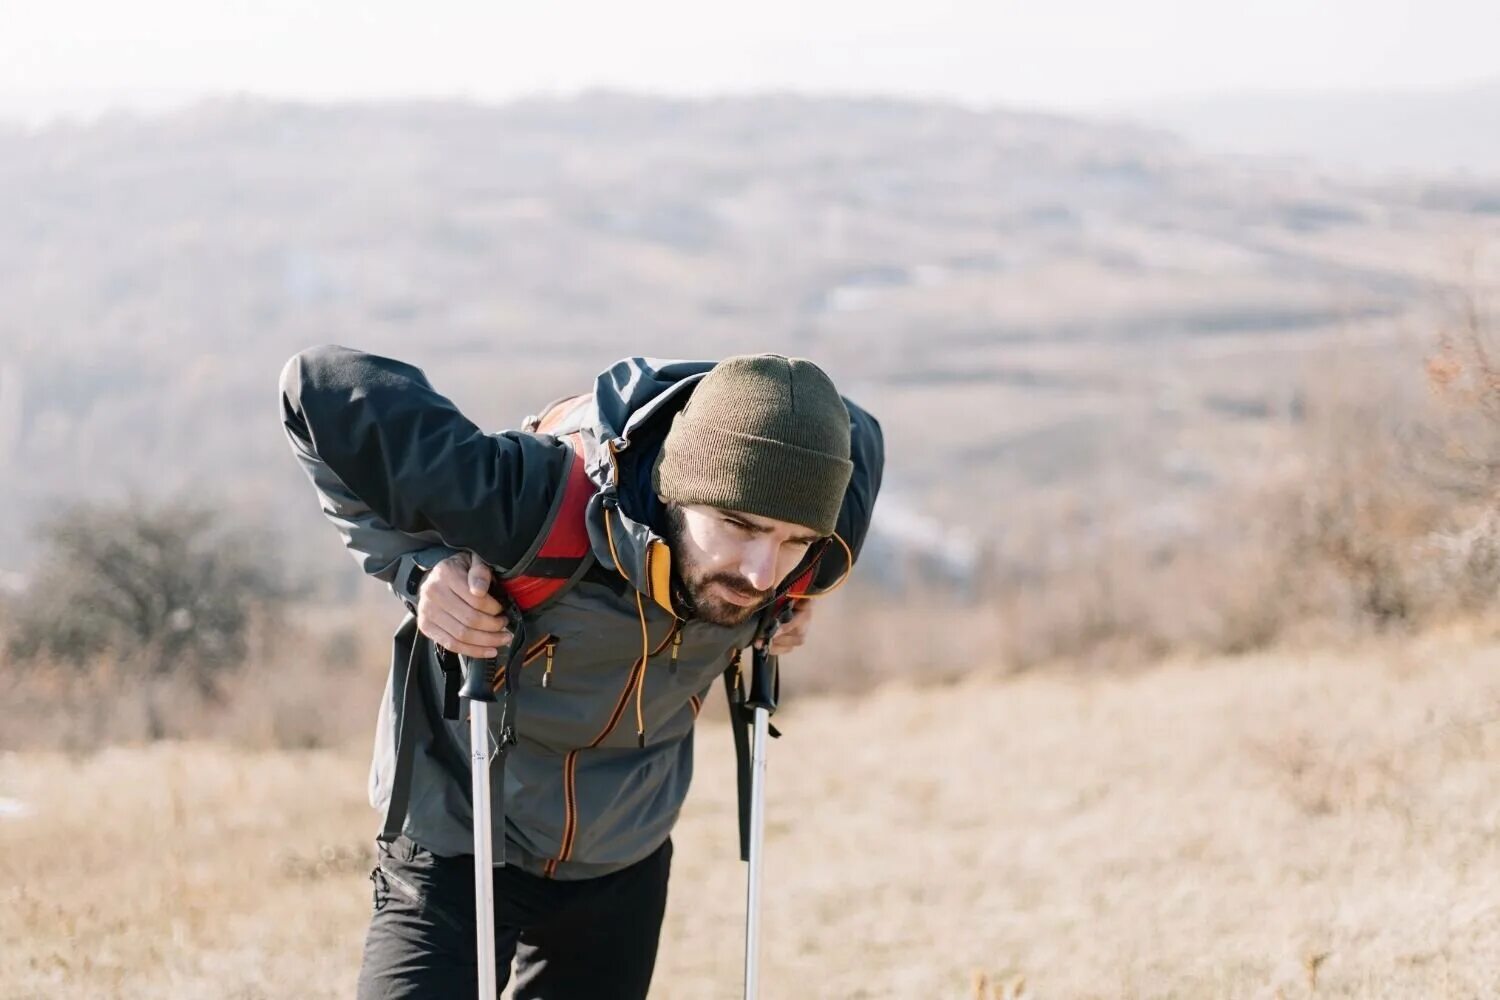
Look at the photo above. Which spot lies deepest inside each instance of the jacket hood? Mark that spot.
(628, 418)
(629, 393)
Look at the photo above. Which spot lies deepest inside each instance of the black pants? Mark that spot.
(594, 938)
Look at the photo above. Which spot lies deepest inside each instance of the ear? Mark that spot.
(656, 473)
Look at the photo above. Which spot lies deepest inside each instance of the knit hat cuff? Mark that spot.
(755, 475)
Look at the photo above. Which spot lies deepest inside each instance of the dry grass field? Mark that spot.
(1289, 825)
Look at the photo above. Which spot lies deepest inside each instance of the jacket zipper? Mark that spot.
(547, 643)
(570, 762)
(551, 649)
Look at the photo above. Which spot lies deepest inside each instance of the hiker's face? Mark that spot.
(731, 562)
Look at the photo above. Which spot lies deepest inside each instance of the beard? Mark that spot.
(699, 590)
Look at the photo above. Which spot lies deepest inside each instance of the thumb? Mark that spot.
(479, 577)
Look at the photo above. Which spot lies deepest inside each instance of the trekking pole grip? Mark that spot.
(764, 681)
(479, 678)
(480, 674)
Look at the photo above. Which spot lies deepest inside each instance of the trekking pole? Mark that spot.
(764, 688)
(479, 688)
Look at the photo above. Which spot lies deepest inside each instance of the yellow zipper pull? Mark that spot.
(676, 645)
(547, 673)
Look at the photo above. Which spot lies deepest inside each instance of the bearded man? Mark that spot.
(709, 492)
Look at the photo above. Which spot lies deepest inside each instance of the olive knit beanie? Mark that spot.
(762, 434)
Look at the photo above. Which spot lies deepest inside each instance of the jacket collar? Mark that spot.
(633, 403)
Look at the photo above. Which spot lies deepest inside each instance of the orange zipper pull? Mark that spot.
(547, 673)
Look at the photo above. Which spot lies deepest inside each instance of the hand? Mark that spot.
(455, 608)
(792, 632)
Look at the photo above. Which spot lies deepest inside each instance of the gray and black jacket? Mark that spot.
(603, 759)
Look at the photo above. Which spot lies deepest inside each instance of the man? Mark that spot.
(713, 488)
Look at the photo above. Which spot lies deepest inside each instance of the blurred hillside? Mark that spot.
(1071, 320)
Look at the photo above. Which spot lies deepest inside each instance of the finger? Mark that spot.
(473, 636)
(479, 577)
(783, 630)
(471, 617)
(481, 602)
(456, 565)
(459, 640)
(456, 645)
(437, 619)
(793, 633)
(456, 604)
(452, 576)
(784, 642)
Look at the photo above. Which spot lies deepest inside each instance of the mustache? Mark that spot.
(738, 585)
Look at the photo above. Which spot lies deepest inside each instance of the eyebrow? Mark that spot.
(761, 529)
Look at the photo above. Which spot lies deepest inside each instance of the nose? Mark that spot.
(758, 564)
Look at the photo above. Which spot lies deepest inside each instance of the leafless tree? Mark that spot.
(167, 593)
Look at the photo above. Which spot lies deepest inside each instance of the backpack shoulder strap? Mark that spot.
(560, 415)
(564, 553)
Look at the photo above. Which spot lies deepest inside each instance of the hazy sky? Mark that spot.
(1070, 54)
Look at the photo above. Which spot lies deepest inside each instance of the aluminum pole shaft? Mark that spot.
(757, 843)
(484, 872)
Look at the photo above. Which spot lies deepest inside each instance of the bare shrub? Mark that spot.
(1352, 520)
(167, 583)
(157, 598)
(1464, 372)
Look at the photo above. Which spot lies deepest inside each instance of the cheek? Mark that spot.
(788, 560)
(707, 551)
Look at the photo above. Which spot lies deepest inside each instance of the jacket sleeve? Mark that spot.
(405, 477)
(867, 451)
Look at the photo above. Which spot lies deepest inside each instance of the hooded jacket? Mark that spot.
(614, 672)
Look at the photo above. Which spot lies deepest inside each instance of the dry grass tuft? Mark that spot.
(1004, 988)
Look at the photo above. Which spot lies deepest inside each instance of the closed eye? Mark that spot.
(755, 529)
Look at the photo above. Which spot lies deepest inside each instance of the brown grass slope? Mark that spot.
(1270, 826)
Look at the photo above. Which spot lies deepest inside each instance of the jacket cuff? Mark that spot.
(410, 569)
